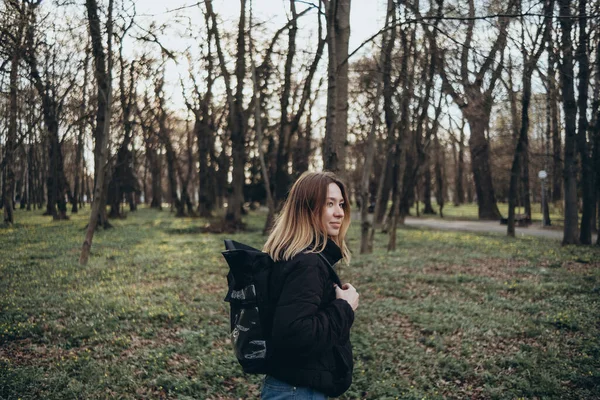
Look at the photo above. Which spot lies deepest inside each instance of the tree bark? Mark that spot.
(587, 176)
(367, 225)
(520, 159)
(476, 103)
(557, 168)
(285, 130)
(164, 137)
(258, 128)
(8, 187)
(103, 80)
(124, 180)
(460, 179)
(336, 131)
(51, 109)
(403, 134)
(440, 185)
(570, 110)
(236, 121)
(80, 135)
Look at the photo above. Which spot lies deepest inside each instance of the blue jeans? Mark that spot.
(274, 389)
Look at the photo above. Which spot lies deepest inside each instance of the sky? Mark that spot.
(366, 18)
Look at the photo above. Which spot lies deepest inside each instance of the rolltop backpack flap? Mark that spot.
(248, 280)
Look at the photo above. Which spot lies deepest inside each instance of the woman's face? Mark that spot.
(333, 213)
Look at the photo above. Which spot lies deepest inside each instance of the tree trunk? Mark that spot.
(237, 127)
(427, 207)
(204, 129)
(521, 156)
(403, 134)
(552, 96)
(596, 141)
(80, 136)
(123, 179)
(156, 176)
(521, 148)
(587, 176)
(387, 178)
(258, 128)
(480, 165)
(282, 178)
(439, 173)
(570, 109)
(11, 138)
(236, 120)
(103, 80)
(476, 103)
(55, 179)
(460, 171)
(338, 34)
(367, 225)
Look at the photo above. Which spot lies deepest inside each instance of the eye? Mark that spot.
(330, 204)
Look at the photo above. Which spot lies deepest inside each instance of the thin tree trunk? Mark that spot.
(520, 160)
(367, 225)
(403, 128)
(570, 110)
(439, 172)
(282, 177)
(81, 134)
(259, 133)
(103, 80)
(557, 176)
(8, 187)
(587, 176)
(236, 121)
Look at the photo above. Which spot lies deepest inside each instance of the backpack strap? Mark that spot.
(336, 278)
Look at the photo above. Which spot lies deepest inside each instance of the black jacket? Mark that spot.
(310, 337)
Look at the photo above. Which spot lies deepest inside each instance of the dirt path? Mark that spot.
(482, 226)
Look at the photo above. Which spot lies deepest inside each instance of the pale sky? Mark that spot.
(366, 18)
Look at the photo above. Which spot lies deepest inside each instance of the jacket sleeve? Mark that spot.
(299, 325)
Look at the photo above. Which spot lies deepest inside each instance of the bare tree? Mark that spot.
(520, 160)
(570, 110)
(366, 238)
(123, 180)
(20, 17)
(103, 64)
(290, 123)
(237, 118)
(83, 122)
(164, 135)
(475, 101)
(587, 175)
(52, 106)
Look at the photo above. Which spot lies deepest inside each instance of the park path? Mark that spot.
(481, 226)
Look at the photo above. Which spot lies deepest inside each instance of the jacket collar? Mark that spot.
(332, 252)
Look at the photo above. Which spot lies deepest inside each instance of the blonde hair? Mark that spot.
(299, 225)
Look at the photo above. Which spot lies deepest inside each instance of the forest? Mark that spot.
(136, 136)
(450, 102)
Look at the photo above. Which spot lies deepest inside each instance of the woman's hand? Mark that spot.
(348, 293)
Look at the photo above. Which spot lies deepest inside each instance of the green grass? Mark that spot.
(447, 315)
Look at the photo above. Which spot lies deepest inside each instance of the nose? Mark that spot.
(339, 211)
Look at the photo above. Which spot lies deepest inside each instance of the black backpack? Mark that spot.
(251, 303)
(251, 313)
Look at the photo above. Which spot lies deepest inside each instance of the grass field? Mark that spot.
(447, 315)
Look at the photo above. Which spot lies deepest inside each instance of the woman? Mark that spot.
(311, 354)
